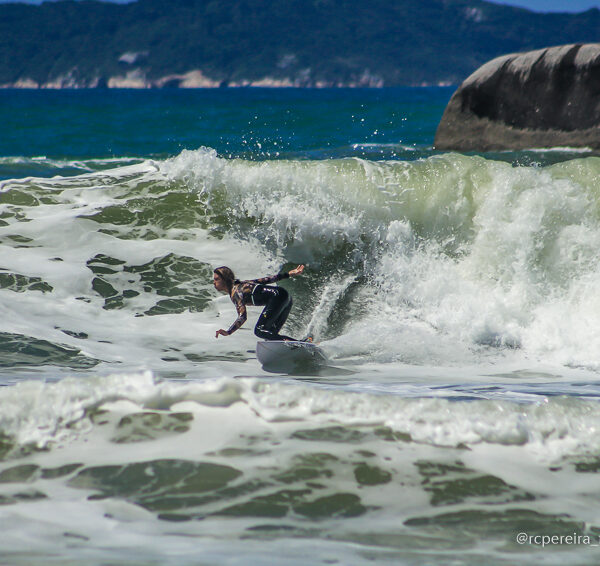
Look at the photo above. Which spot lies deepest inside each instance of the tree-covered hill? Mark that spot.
(303, 42)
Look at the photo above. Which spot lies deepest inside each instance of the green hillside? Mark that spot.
(336, 42)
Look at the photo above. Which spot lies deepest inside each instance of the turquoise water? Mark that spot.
(456, 297)
(253, 123)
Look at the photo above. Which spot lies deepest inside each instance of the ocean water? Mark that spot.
(456, 296)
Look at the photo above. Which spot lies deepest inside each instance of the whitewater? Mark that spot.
(456, 297)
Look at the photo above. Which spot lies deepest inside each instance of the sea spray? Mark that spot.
(483, 249)
(461, 251)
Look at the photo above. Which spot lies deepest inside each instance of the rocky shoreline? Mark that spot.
(542, 98)
(137, 79)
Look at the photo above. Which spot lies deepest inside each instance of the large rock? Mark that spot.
(544, 98)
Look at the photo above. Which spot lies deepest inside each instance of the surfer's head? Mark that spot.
(223, 279)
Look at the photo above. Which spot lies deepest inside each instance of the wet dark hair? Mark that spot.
(228, 277)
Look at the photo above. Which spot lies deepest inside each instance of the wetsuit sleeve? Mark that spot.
(240, 307)
(271, 278)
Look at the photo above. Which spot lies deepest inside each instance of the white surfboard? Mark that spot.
(279, 353)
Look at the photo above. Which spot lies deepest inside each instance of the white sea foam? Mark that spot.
(480, 252)
(483, 457)
(44, 414)
(445, 261)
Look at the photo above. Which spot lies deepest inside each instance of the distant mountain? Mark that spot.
(182, 43)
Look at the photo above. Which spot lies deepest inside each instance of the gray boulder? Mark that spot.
(544, 98)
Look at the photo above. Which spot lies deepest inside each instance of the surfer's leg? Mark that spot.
(282, 317)
(274, 315)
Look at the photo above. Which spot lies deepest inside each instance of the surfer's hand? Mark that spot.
(296, 271)
(221, 332)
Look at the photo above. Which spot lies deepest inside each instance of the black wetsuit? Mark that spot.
(276, 300)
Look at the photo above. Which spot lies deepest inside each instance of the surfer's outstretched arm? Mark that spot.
(298, 271)
(274, 278)
(242, 316)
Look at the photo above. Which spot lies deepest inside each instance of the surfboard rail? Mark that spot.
(289, 353)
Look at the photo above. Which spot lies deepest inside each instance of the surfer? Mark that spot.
(257, 292)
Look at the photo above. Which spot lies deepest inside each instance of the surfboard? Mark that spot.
(278, 353)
